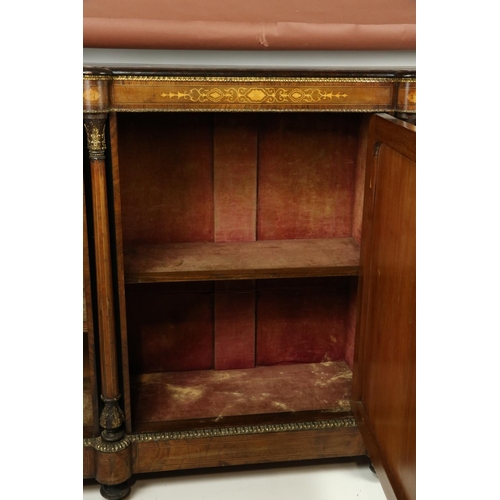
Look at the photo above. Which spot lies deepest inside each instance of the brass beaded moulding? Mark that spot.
(101, 445)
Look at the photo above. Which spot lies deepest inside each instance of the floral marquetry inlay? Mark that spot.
(252, 95)
(412, 97)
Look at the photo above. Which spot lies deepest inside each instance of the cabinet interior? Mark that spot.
(241, 235)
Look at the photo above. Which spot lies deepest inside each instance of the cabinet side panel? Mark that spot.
(166, 177)
(359, 181)
(351, 323)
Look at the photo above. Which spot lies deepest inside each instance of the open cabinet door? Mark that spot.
(384, 370)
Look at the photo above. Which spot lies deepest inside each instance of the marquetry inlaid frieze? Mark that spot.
(249, 95)
(169, 93)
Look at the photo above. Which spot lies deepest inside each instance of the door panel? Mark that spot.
(384, 370)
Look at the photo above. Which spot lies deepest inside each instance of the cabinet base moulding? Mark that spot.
(155, 452)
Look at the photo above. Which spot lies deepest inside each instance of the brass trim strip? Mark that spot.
(260, 79)
(249, 79)
(246, 430)
(249, 110)
(100, 445)
(98, 77)
(105, 447)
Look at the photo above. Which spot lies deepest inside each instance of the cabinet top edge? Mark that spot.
(151, 73)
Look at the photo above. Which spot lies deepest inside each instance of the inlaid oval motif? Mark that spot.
(256, 95)
(412, 96)
(91, 95)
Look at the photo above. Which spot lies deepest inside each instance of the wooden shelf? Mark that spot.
(246, 260)
(163, 397)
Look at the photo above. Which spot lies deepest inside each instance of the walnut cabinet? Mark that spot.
(249, 271)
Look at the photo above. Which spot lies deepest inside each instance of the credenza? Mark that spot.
(249, 270)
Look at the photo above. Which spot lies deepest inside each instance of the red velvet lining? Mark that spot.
(301, 321)
(234, 325)
(306, 176)
(186, 326)
(171, 179)
(207, 177)
(210, 178)
(235, 177)
(170, 331)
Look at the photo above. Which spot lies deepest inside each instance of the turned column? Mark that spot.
(95, 99)
(112, 418)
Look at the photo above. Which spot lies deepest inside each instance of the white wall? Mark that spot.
(403, 59)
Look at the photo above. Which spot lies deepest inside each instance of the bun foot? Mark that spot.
(115, 491)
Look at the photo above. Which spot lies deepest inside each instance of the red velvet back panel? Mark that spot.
(235, 177)
(234, 324)
(301, 321)
(170, 327)
(235, 201)
(275, 176)
(166, 187)
(306, 176)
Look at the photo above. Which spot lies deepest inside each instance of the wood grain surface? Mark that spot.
(384, 386)
(253, 449)
(246, 260)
